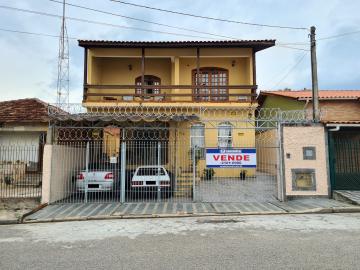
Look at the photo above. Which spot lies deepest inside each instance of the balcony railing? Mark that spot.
(161, 93)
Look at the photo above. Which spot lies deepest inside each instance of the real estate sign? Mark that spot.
(231, 158)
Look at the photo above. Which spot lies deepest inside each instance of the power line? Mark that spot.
(209, 18)
(115, 25)
(291, 69)
(145, 21)
(293, 48)
(101, 23)
(77, 38)
(340, 35)
(32, 33)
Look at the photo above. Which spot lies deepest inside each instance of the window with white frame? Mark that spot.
(197, 136)
(225, 135)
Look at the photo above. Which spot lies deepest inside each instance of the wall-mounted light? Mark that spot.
(233, 62)
(130, 67)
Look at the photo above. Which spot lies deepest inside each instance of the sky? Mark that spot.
(28, 63)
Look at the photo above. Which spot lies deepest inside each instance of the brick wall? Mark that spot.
(338, 110)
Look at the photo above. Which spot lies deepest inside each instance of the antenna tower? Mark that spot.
(63, 64)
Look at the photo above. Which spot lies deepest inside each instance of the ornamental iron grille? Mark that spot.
(144, 153)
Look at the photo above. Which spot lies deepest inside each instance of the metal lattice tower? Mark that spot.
(63, 64)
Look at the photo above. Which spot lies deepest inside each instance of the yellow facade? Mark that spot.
(121, 66)
(109, 66)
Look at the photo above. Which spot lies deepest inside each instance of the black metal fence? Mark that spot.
(21, 171)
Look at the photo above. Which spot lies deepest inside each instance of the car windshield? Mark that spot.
(150, 171)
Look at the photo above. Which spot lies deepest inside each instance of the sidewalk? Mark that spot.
(70, 212)
(11, 210)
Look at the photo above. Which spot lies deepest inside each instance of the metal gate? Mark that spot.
(344, 162)
(164, 153)
(21, 170)
(165, 162)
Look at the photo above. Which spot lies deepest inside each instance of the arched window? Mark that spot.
(148, 80)
(225, 131)
(211, 76)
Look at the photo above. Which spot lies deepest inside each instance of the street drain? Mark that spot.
(217, 221)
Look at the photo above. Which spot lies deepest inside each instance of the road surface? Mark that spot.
(327, 241)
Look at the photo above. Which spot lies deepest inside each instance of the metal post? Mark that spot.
(314, 77)
(142, 71)
(158, 174)
(194, 171)
(197, 78)
(123, 171)
(87, 171)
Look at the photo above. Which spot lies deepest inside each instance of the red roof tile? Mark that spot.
(24, 110)
(323, 94)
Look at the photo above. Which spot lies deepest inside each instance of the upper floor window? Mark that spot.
(211, 76)
(225, 131)
(148, 80)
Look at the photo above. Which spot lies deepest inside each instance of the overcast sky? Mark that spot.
(28, 64)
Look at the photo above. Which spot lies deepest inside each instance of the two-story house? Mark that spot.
(192, 93)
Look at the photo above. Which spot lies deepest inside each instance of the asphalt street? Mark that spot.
(317, 241)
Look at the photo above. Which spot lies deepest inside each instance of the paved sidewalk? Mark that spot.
(67, 212)
(348, 196)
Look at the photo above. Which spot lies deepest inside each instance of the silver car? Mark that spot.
(96, 180)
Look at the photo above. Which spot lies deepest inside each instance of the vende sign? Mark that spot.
(231, 158)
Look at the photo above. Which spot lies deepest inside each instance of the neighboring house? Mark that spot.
(340, 114)
(337, 106)
(23, 127)
(178, 74)
(23, 122)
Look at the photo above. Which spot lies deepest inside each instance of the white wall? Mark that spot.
(61, 163)
(22, 146)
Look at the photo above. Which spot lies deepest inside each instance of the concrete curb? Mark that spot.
(9, 221)
(184, 215)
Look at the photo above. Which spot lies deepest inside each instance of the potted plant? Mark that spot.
(208, 173)
(242, 174)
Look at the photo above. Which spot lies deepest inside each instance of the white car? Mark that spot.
(97, 180)
(150, 178)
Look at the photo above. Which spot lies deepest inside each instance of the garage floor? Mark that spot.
(261, 188)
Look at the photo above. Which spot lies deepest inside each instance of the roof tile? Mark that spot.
(24, 110)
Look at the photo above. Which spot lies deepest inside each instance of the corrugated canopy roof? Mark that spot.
(257, 45)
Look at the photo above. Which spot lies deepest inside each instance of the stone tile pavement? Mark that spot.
(63, 212)
(261, 188)
(348, 196)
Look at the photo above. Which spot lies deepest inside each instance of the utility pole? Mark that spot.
(314, 77)
(63, 64)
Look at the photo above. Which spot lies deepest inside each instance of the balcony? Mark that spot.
(169, 93)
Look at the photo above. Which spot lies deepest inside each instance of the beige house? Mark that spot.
(325, 156)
